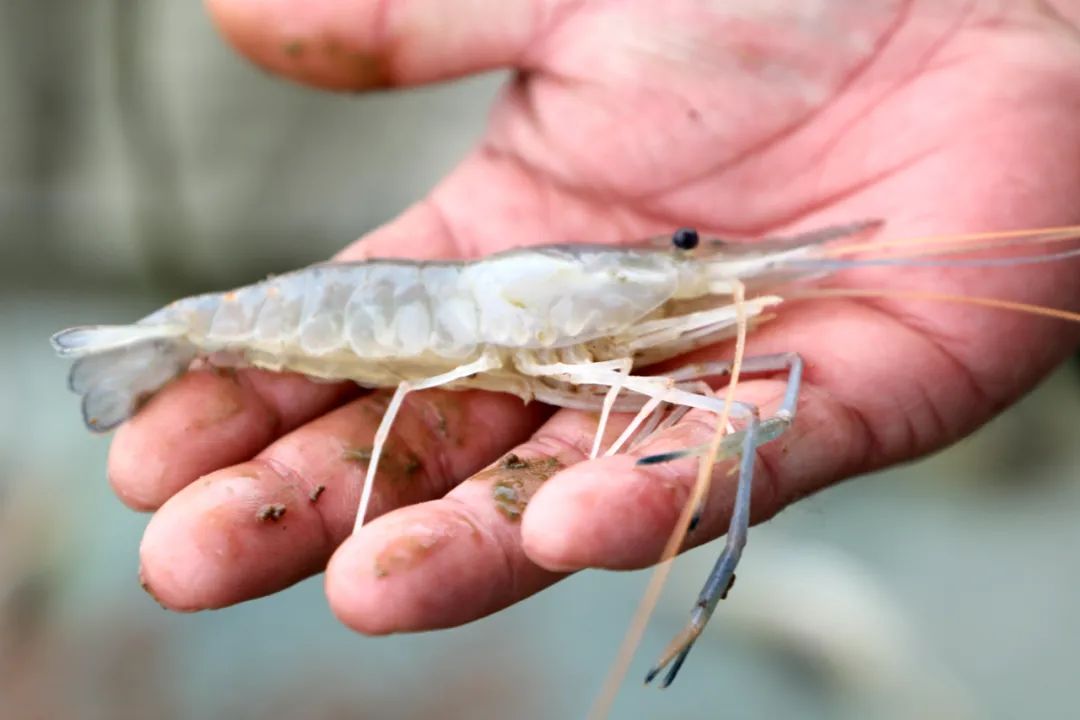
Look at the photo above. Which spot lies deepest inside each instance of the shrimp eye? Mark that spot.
(685, 239)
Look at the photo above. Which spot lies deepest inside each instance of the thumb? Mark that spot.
(364, 44)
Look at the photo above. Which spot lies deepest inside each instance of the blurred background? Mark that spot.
(141, 160)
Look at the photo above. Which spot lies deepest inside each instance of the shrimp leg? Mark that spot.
(665, 389)
(651, 411)
(772, 427)
(605, 412)
(660, 388)
(647, 410)
(722, 577)
(484, 363)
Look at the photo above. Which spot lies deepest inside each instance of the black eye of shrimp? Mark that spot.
(685, 238)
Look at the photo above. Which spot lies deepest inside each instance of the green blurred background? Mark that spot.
(140, 160)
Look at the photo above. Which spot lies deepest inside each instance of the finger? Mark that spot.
(361, 44)
(450, 561)
(257, 527)
(611, 513)
(205, 420)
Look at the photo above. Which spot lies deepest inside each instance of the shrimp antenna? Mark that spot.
(944, 244)
(994, 303)
(602, 706)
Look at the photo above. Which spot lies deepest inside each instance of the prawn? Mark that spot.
(567, 325)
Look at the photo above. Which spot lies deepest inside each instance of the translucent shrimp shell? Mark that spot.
(525, 299)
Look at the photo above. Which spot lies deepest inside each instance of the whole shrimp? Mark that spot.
(548, 323)
(568, 325)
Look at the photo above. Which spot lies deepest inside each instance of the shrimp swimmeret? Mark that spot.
(563, 324)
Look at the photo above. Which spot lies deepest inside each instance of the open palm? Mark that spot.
(627, 119)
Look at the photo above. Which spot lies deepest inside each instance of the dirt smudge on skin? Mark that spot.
(223, 371)
(374, 406)
(395, 464)
(217, 408)
(145, 585)
(410, 464)
(512, 462)
(368, 70)
(316, 493)
(516, 480)
(449, 422)
(407, 551)
(219, 536)
(442, 427)
(365, 70)
(293, 48)
(271, 512)
(360, 455)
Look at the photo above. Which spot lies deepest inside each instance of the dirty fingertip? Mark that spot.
(325, 44)
(352, 598)
(417, 568)
(604, 513)
(231, 536)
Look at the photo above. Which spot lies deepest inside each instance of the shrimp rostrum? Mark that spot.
(569, 325)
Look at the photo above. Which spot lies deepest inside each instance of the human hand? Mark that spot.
(627, 120)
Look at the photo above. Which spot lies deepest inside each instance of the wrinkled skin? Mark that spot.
(627, 119)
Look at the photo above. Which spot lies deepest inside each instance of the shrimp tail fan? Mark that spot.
(118, 367)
